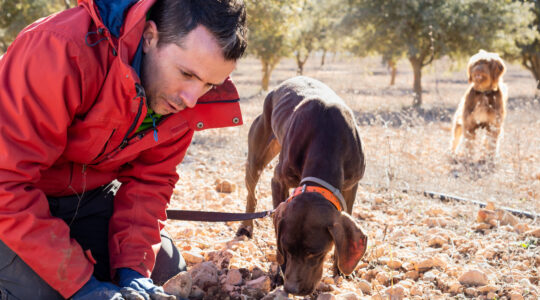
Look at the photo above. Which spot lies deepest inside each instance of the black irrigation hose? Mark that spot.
(446, 197)
(516, 212)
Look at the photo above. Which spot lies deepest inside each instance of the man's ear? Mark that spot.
(350, 243)
(150, 35)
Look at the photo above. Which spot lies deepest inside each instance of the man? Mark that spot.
(104, 91)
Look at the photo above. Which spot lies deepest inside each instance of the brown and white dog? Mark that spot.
(483, 105)
(321, 156)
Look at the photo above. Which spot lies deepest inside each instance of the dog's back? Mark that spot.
(309, 119)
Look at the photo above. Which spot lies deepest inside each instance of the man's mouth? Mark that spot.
(175, 107)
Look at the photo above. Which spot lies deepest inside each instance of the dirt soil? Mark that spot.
(419, 247)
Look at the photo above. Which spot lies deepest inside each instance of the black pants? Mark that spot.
(88, 220)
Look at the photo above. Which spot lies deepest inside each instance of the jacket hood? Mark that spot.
(112, 13)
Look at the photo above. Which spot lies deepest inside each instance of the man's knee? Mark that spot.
(19, 281)
(169, 261)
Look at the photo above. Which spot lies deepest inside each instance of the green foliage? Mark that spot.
(17, 14)
(314, 27)
(529, 49)
(268, 23)
(423, 30)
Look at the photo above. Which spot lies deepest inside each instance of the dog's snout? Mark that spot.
(291, 288)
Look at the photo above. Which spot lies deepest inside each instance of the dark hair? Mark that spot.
(225, 19)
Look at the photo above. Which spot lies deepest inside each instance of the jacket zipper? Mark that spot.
(142, 96)
(105, 147)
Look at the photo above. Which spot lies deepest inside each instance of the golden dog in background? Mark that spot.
(483, 105)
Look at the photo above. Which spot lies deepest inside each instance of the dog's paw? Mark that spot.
(245, 231)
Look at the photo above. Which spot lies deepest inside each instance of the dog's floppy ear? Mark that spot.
(497, 68)
(469, 71)
(276, 218)
(350, 243)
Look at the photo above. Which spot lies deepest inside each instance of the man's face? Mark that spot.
(174, 76)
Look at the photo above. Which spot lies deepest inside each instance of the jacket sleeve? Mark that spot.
(140, 204)
(39, 93)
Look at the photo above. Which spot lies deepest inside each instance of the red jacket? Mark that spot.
(69, 110)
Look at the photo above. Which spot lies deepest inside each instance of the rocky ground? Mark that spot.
(419, 247)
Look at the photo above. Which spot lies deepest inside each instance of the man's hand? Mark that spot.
(131, 280)
(95, 289)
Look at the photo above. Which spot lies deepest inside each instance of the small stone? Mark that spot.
(364, 286)
(277, 294)
(533, 232)
(521, 228)
(225, 186)
(454, 287)
(262, 283)
(471, 292)
(473, 277)
(323, 287)
(394, 264)
(429, 276)
(179, 285)
(347, 296)
(488, 288)
(396, 292)
(412, 275)
(234, 277)
(382, 278)
(437, 241)
(424, 265)
(326, 296)
(204, 274)
(515, 296)
(192, 257)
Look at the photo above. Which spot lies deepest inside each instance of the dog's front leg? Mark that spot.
(492, 141)
(262, 147)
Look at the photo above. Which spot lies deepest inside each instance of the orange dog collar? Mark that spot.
(316, 189)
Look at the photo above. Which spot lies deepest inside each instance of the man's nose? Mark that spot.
(191, 95)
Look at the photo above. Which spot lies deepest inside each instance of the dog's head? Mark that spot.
(306, 228)
(485, 70)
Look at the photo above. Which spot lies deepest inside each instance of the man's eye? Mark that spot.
(187, 75)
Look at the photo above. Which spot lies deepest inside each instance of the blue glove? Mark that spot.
(95, 289)
(128, 278)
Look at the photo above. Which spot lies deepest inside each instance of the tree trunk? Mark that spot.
(300, 62)
(531, 61)
(267, 68)
(265, 76)
(393, 72)
(323, 57)
(67, 5)
(417, 85)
